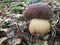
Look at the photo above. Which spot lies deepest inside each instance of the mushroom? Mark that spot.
(38, 15)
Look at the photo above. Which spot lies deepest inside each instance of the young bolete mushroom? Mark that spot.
(39, 15)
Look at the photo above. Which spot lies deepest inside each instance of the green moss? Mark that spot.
(16, 9)
(12, 3)
(2, 5)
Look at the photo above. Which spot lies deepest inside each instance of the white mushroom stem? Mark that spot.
(39, 26)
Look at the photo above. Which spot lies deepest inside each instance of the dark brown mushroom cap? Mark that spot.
(38, 11)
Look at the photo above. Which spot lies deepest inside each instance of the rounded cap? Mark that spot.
(38, 11)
